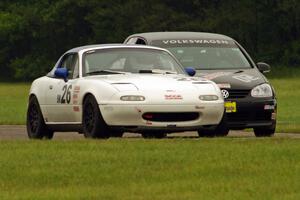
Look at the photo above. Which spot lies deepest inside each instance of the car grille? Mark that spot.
(238, 94)
(170, 117)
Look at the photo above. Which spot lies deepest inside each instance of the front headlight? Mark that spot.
(263, 90)
(208, 97)
(132, 98)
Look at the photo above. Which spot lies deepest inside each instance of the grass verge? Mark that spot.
(151, 169)
(13, 103)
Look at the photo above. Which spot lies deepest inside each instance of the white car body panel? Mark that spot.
(107, 90)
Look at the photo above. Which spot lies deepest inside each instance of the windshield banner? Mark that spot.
(194, 42)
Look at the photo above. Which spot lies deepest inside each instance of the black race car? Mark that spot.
(250, 100)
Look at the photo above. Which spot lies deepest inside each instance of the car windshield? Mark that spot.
(129, 60)
(211, 57)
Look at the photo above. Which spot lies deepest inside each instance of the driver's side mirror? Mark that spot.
(190, 71)
(62, 73)
(263, 67)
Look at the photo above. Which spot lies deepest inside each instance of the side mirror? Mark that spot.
(263, 67)
(62, 73)
(190, 71)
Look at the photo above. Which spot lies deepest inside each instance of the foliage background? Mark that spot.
(34, 33)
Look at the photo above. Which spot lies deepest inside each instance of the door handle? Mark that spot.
(50, 87)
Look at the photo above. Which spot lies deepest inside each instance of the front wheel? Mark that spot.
(35, 125)
(221, 130)
(117, 134)
(264, 131)
(93, 123)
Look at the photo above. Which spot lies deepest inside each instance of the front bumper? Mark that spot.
(129, 115)
(252, 113)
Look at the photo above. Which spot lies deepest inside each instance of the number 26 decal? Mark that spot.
(66, 96)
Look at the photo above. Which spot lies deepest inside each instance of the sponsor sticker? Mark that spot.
(76, 108)
(200, 41)
(245, 78)
(216, 75)
(203, 42)
(224, 85)
(173, 97)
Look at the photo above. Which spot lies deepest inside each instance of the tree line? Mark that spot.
(34, 33)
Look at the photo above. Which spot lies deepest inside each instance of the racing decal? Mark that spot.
(76, 92)
(76, 88)
(245, 78)
(205, 41)
(65, 97)
(188, 78)
(224, 85)
(173, 97)
(76, 108)
(216, 75)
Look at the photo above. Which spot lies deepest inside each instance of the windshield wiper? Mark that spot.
(105, 71)
(156, 71)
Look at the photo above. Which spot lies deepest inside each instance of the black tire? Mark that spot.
(35, 124)
(93, 123)
(117, 134)
(206, 133)
(265, 131)
(155, 134)
(221, 130)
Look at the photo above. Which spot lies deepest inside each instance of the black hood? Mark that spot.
(241, 79)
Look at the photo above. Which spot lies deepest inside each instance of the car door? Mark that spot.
(60, 92)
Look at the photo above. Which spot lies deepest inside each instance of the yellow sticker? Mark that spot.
(230, 106)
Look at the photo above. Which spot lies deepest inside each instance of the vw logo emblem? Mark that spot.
(225, 94)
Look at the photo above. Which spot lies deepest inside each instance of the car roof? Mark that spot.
(180, 35)
(99, 46)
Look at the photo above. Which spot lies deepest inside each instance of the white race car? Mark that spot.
(105, 90)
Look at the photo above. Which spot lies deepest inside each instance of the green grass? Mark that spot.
(151, 169)
(285, 81)
(288, 96)
(13, 103)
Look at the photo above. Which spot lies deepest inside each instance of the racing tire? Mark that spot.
(206, 133)
(93, 123)
(117, 134)
(264, 131)
(156, 135)
(221, 130)
(35, 124)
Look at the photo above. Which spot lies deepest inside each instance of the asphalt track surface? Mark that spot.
(18, 132)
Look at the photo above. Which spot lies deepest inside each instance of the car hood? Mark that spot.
(241, 79)
(158, 82)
